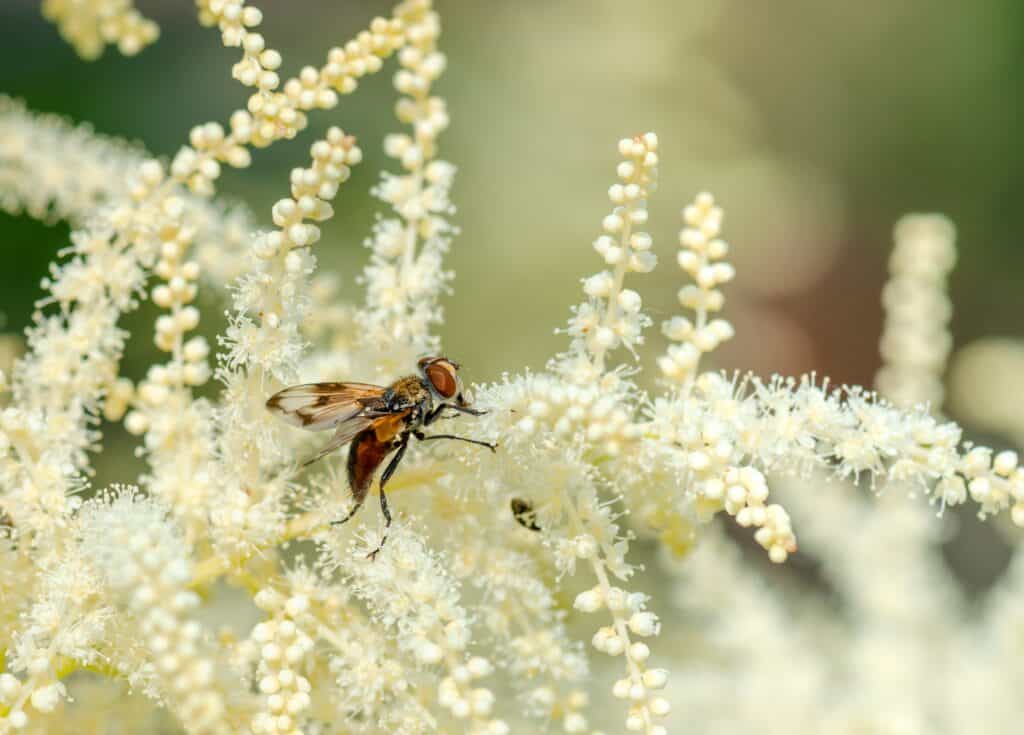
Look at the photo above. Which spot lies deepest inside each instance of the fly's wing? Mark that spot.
(385, 425)
(345, 433)
(320, 406)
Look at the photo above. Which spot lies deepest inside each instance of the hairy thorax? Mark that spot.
(407, 392)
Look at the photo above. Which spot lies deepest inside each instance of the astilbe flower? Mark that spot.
(91, 25)
(906, 653)
(467, 619)
(916, 343)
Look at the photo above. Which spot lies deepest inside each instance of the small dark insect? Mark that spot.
(523, 512)
(376, 421)
(7, 529)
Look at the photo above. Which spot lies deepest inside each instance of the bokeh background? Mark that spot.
(815, 124)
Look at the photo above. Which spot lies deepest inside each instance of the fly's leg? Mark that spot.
(355, 509)
(423, 438)
(437, 413)
(468, 410)
(387, 524)
(433, 415)
(388, 472)
(393, 464)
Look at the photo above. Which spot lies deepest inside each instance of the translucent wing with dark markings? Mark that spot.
(345, 433)
(385, 427)
(320, 406)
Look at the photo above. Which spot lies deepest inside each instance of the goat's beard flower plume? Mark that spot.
(467, 620)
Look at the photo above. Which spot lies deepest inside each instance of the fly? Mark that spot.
(376, 421)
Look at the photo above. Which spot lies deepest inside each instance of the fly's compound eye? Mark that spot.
(442, 377)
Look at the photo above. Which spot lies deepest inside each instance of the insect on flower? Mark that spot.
(376, 421)
(524, 513)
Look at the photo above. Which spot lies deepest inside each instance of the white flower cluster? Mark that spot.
(410, 590)
(705, 451)
(285, 649)
(629, 616)
(51, 170)
(377, 689)
(160, 397)
(546, 402)
(545, 665)
(73, 355)
(275, 292)
(405, 277)
(700, 256)
(67, 621)
(612, 316)
(916, 342)
(889, 634)
(146, 565)
(272, 115)
(223, 595)
(793, 427)
(91, 25)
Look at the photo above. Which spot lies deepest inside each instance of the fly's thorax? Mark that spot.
(408, 392)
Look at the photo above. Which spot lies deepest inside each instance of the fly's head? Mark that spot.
(442, 377)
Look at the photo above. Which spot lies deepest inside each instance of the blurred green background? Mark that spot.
(815, 124)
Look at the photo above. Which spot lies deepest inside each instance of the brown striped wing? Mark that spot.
(320, 406)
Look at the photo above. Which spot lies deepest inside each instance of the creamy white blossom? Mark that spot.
(214, 585)
(91, 25)
(916, 343)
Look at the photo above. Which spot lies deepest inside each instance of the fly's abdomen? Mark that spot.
(365, 455)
